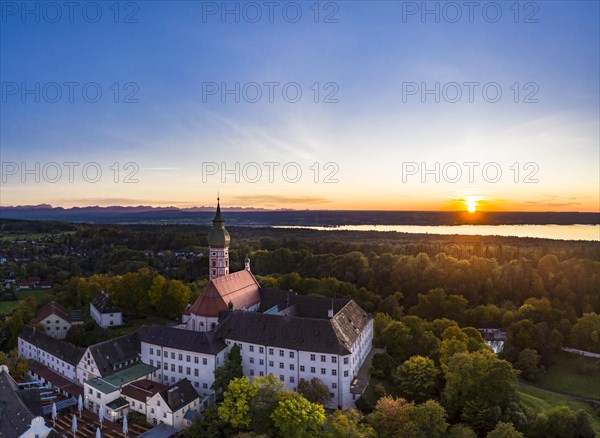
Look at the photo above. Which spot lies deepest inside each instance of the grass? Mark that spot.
(564, 376)
(37, 294)
(538, 399)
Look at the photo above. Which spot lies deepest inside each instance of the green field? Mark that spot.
(9, 306)
(538, 399)
(564, 376)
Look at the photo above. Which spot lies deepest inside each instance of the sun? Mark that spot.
(471, 203)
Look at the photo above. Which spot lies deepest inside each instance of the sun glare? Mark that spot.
(471, 203)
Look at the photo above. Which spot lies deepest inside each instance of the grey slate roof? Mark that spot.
(104, 304)
(171, 337)
(179, 394)
(15, 418)
(322, 335)
(306, 306)
(61, 349)
(109, 354)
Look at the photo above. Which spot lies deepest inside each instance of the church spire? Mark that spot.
(218, 218)
(218, 243)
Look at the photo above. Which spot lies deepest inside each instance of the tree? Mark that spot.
(417, 378)
(504, 430)
(344, 424)
(314, 391)
(235, 408)
(269, 390)
(396, 338)
(461, 430)
(397, 417)
(296, 417)
(382, 365)
(586, 333)
(231, 369)
(529, 365)
(17, 366)
(209, 425)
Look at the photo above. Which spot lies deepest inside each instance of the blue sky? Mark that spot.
(365, 59)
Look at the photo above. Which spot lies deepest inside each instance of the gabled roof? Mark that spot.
(63, 350)
(179, 394)
(111, 353)
(171, 337)
(239, 288)
(142, 389)
(52, 308)
(104, 304)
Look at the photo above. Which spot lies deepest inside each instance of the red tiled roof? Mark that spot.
(52, 308)
(56, 379)
(240, 288)
(140, 389)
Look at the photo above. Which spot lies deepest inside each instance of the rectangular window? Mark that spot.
(323, 371)
(173, 367)
(195, 359)
(188, 358)
(271, 363)
(261, 374)
(334, 372)
(151, 350)
(291, 354)
(345, 361)
(166, 366)
(196, 372)
(251, 372)
(312, 357)
(323, 358)
(280, 353)
(281, 378)
(292, 367)
(261, 362)
(188, 371)
(292, 379)
(301, 368)
(281, 365)
(270, 351)
(205, 361)
(251, 348)
(205, 385)
(151, 363)
(251, 360)
(261, 350)
(180, 368)
(346, 373)
(166, 354)
(334, 385)
(312, 370)
(333, 359)
(180, 356)
(196, 384)
(172, 355)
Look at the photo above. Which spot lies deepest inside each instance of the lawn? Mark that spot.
(563, 376)
(9, 306)
(538, 399)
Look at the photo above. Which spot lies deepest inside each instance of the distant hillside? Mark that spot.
(257, 217)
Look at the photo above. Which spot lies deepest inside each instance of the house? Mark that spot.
(139, 392)
(58, 356)
(104, 312)
(108, 357)
(17, 418)
(56, 319)
(106, 391)
(170, 405)
(182, 354)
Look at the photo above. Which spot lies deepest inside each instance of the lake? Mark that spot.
(557, 232)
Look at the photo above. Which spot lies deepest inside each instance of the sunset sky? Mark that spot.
(376, 137)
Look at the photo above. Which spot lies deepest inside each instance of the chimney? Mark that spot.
(172, 397)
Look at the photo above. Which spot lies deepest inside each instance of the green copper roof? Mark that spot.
(121, 378)
(218, 237)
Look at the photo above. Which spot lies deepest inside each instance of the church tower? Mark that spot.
(218, 246)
